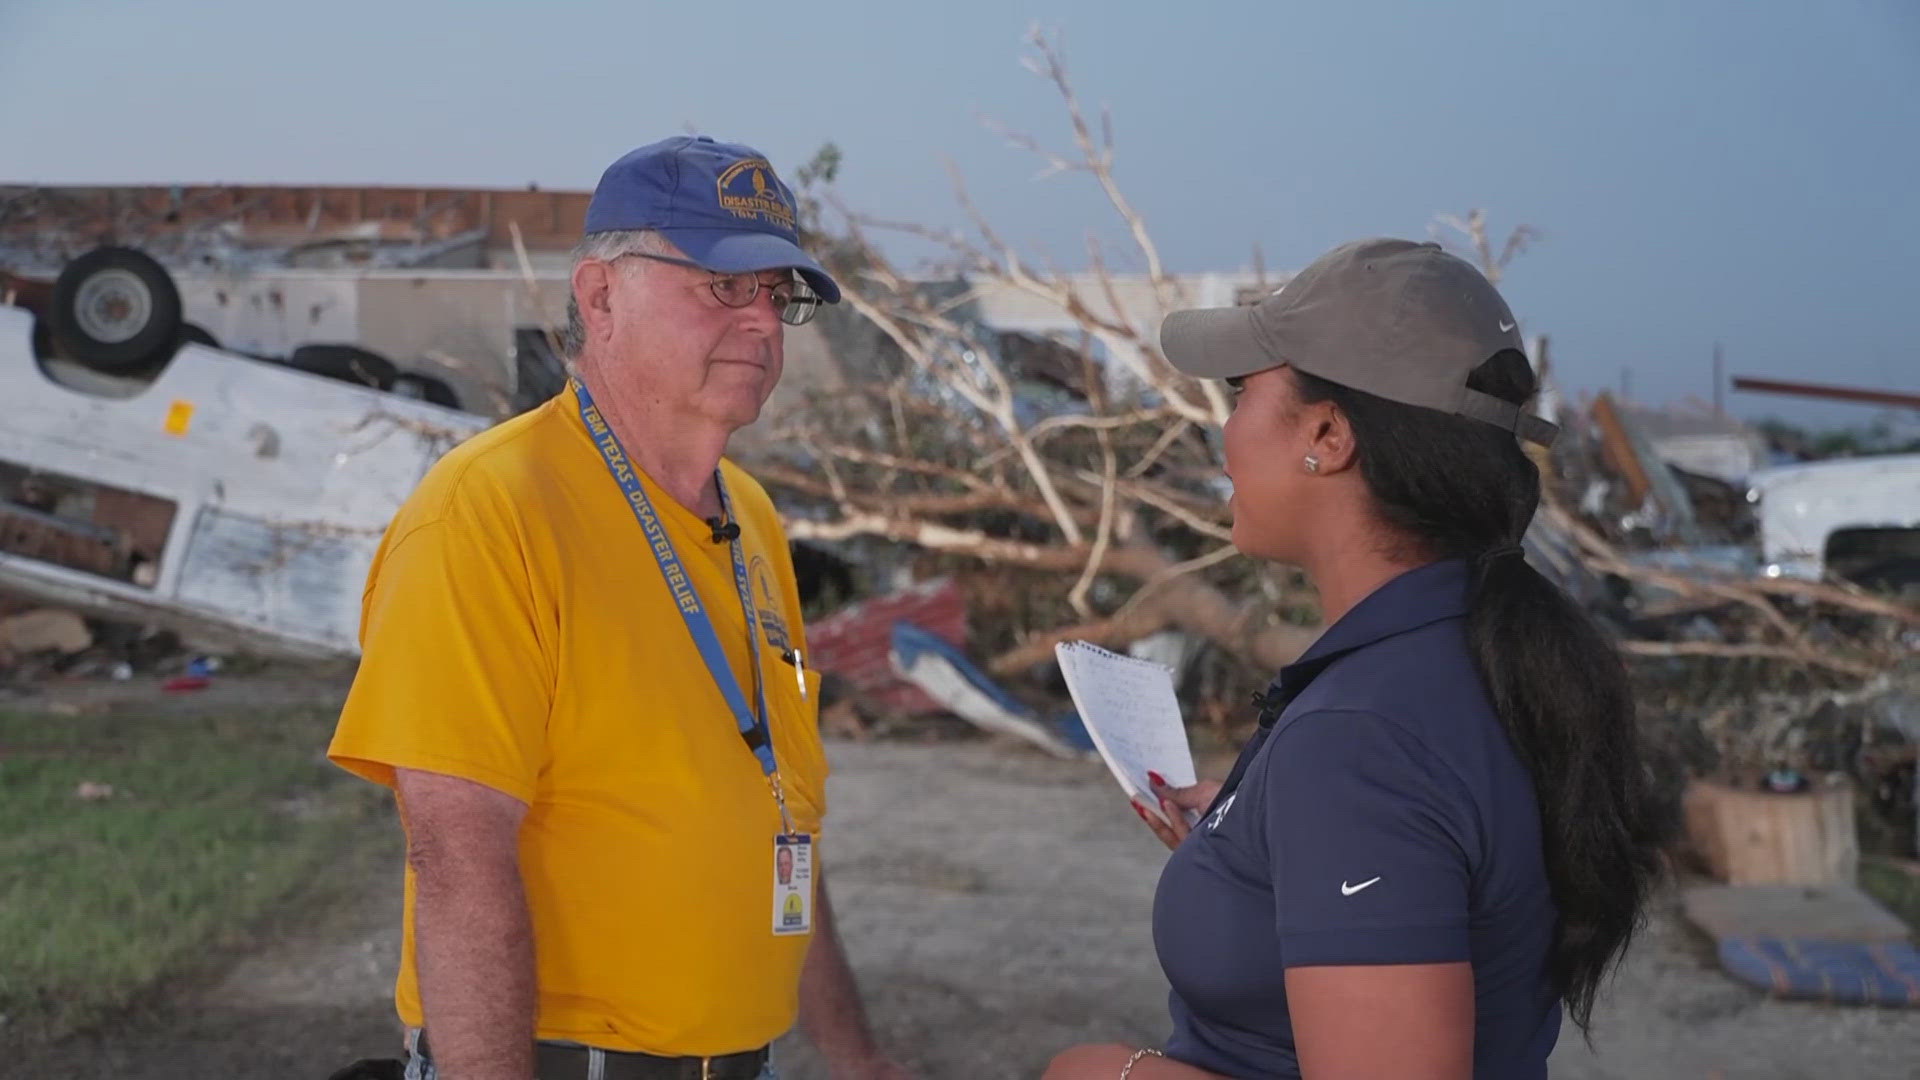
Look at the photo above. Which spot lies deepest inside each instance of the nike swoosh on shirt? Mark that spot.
(1349, 890)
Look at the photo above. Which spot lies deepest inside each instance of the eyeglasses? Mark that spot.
(794, 301)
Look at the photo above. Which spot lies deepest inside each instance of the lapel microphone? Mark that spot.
(1271, 703)
(724, 531)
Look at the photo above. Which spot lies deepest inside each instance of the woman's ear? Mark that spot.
(1330, 437)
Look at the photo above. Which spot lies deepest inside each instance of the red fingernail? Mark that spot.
(1138, 809)
(1157, 779)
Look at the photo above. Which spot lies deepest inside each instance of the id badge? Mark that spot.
(793, 884)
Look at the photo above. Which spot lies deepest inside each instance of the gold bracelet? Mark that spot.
(1145, 1051)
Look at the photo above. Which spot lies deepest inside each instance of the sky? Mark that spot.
(1744, 172)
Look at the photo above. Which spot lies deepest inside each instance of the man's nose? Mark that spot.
(761, 316)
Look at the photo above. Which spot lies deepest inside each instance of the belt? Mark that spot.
(567, 1061)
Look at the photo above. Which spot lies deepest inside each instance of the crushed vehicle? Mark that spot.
(1856, 518)
(148, 475)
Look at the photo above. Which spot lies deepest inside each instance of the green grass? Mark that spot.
(1897, 889)
(215, 818)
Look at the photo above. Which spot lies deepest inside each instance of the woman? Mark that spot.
(1436, 839)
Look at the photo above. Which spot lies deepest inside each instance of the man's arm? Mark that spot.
(830, 1009)
(473, 941)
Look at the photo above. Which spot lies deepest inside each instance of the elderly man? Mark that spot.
(585, 678)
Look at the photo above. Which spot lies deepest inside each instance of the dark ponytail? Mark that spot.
(1448, 487)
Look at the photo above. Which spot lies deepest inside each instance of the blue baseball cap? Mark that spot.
(719, 203)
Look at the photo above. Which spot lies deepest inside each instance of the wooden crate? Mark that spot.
(1752, 837)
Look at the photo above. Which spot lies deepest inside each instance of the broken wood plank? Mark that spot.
(1822, 912)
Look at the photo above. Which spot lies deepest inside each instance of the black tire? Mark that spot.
(114, 310)
(1901, 577)
(195, 334)
(347, 363)
(539, 373)
(43, 346)
(1876, 558)
(426, 388)
(1872, 544)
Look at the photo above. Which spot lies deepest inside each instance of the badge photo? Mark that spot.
(793, 884)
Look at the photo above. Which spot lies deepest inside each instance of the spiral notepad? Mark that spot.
(1132, 715)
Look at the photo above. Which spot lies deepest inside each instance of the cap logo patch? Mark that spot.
(748, 191)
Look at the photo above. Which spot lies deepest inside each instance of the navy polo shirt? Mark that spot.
(1381, 817)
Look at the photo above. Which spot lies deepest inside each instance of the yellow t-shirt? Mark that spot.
(517, 632)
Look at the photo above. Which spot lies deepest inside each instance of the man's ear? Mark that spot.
(593, 295)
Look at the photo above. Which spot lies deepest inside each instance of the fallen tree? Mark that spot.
(1081, 474)
(1082, 463)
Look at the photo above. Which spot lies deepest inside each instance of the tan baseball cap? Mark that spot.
(1392, 318)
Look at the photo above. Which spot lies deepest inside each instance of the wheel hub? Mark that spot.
(113, 305)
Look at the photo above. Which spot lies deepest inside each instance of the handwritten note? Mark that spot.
(1131, 713)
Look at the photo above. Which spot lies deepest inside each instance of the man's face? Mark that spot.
(672, 341)
(784, 863)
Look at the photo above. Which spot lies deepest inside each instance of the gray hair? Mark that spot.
(604, 246)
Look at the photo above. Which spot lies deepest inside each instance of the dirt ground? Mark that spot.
(995, 905)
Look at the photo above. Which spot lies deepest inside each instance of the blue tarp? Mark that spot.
(1848, 973)
(910, 642)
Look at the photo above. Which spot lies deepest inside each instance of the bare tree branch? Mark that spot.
(1191, 566)
(1750, 592)
(1111, 632)
(936, 505)
(923, 468)
(1479, 249)
(1098, 423)
(997, 404)
(1098, 160)
(1846, 597)
(1517, 241)
(1166, 504)
(1103, 534)
(937, 537)
(1146, 462)
(835, 485)
(1809, 657)
(936, 472)
(1123, 341)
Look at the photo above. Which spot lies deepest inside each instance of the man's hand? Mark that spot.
(830, 1008)
(1174, 803)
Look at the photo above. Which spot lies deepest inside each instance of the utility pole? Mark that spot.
(1719, 382)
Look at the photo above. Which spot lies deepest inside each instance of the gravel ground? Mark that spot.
(995, 905)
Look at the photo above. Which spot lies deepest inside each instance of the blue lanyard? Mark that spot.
(753, 725)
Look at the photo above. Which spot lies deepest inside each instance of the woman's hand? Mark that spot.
(1174, 803)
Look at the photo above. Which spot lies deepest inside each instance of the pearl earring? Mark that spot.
(1313, 464)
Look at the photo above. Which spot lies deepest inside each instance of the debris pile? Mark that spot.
(45, 646)
(1771, 606)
